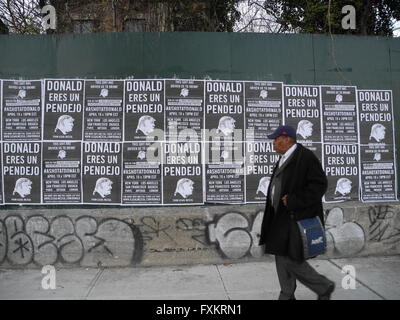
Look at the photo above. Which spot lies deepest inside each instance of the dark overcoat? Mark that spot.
(305, 183)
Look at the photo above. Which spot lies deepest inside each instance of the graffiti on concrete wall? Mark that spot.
(384, 224)
(83, 241)
(86, 241)
(343, 238)
(151, 229)
(196, 227)
(235, 236)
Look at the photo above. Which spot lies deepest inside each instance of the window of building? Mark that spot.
(83, 26)
(135, 25)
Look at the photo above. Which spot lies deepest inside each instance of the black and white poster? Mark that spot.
(376, 116)
(263, 103)
(63, 109)
(303, 112)
(1, 173)
(261, 159)
(184, 110)
(101, 173)
(61, 178)
(378, 164)
(224, 111)
(1, 109)
(186, 141)
(22, 172)
(142, 173)
(378, 173)
(339, 114)
(103, 117)
(144, 110)
(182, 173)
(224, 172)
(341, 165)
(22, 110)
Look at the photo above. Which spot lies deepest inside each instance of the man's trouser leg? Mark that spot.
(308, 276)
(287, 280)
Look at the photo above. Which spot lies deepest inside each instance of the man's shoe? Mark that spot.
(328, 293)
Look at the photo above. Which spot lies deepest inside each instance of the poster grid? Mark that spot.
(328, 141)
(259, 155)
(339, 115)
(378, 179)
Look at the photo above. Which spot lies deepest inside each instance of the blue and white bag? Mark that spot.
(313, 235)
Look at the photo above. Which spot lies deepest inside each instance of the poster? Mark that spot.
(186, 141)
(184, 109)
(22, 110)
(1, 174)
(22, 172)
(63, 109)
(61, 178)
(101, 172)
(224, 111)
(261, 159)
(103, 117)
(303, 112)
(378, 164)
(341, 165)
(339, 114)
(1, 108)
(144, 110)
(224, 172)
(142, 182)
(182, 173)
(263, 105)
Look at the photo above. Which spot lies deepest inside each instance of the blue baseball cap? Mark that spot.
(286, 131)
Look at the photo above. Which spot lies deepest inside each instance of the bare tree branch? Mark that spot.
(21, 16)
(257, 16)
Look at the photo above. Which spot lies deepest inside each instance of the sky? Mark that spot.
(396, 33)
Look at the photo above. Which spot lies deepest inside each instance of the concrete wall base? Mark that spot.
(32, 238)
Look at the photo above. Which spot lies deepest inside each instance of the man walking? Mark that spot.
(295, 192)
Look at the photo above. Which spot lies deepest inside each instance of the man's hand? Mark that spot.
(284, 200)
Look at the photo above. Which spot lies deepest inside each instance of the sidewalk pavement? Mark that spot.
(377, 278)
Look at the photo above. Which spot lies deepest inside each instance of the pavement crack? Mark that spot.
(93, 283)
(359, 281)
(223, 284)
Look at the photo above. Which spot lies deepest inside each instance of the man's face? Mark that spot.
(106, 187)
(69, 124)
(308, 129)
(282, 144)
(380, 133)
(230, 124)
(26, 188)
(149, 125)
(189, 188)
(346, 187)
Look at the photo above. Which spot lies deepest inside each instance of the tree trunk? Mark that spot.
(366, 10)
